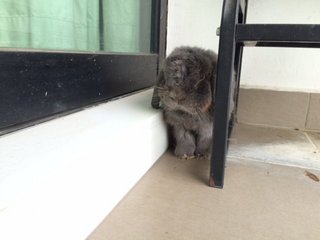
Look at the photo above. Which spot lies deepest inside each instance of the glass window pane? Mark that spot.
(78, 25)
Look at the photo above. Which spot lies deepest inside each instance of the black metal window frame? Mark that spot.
(36, 86)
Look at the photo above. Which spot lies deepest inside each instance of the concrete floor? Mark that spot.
(259, 200)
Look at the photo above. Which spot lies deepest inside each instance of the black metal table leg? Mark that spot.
(225, 67)
(234, 35)
(238, 61)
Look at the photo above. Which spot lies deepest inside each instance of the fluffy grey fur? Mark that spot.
(185, 90)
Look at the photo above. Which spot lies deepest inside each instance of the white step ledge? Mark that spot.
(59, 179)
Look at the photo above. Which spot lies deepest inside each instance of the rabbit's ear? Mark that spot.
(204, 96)
(155, 102)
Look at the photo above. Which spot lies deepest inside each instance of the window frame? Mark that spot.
(36, 86)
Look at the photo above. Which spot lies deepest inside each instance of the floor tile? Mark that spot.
(273, 145)
(259, 201)
(313, 120)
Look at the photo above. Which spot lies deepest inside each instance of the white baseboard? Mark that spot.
(59, 179)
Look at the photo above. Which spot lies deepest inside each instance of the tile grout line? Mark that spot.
(264, 125)
(278, 127)
(308, 110)
(310, 140)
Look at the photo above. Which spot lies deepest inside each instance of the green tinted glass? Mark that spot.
(78, 25)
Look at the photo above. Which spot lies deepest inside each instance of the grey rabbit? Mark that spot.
(185, 89)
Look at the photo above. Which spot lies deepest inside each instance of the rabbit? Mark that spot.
(185, 90)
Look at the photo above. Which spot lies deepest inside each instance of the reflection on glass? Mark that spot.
(85, 25)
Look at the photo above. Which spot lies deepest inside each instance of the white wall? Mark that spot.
(194, 23)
